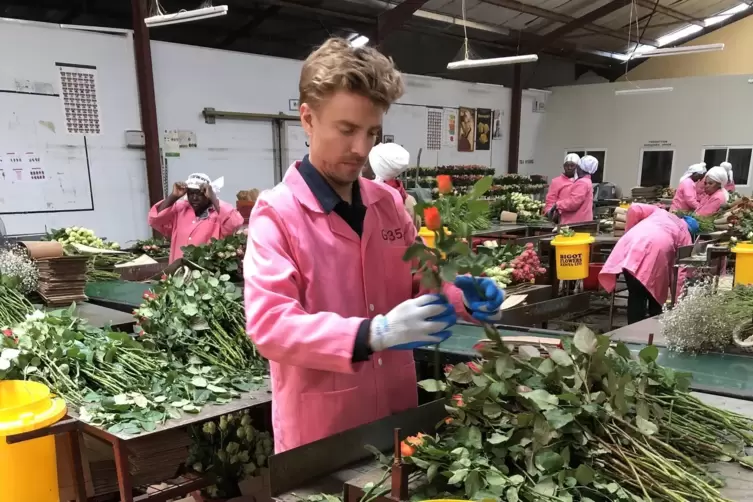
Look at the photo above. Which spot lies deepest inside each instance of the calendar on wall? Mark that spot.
(434, 129)
(78, 86)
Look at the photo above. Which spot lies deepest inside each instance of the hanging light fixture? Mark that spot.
(647, 90)
(184, 16)
(467, 62)
(678, 51)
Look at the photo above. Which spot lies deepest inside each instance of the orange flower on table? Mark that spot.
(444, 183)
(432, 219)
(408, 446)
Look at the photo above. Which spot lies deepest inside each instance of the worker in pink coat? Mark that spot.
(730, 186)
(329, 300)
(563, 180)
(575, 204)
(645, 256)
(716, 195)
(192, 214)
(686, 198)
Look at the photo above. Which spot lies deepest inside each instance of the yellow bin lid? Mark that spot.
(578, 239)
(743, 248)
(27, 406)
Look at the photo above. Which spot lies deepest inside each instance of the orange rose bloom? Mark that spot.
(406, 450)
(432, 219)
(444, 183)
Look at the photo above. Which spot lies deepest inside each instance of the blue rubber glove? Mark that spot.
(418, 322)
(481, 297)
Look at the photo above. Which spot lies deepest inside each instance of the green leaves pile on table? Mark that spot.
(220, 255)
(585, 422)
(195, 353)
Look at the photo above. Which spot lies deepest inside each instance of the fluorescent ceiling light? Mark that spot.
(357, 40)
(678, 51)
(186, 16)
(542, 91)
(648, 90)
(480, 63)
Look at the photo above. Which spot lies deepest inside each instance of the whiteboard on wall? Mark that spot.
(42, 168)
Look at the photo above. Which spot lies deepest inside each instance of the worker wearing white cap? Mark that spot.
(730, 186)
(567, 178)
(386, 162)
(716, 194)
(576, 201)
(686, 197)
(193, 215)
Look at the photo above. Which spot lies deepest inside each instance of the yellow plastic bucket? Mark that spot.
(429, 236)
(573, 256)
(625, 205)
(743, 263)
(28, 470)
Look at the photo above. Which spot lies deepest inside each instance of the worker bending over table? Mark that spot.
(686, 197)
(645, 255)
(193, 215)
(575, 202)
(329, 300)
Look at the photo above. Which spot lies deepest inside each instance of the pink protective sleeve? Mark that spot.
(163, 221)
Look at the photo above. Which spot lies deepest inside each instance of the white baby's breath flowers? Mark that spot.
(697, 322)
(17, 266)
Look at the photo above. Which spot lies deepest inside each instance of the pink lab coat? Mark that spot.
(180, 224)
(685, 198)
(647, 250)
(555, 188)
(309, 283)
(576, 202)
(711, 204)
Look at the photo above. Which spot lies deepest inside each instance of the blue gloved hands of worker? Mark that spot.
(481, 297)
(418, 322)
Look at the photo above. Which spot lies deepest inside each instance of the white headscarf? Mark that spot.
(572, 158)
(728, 167)
(694, 169)
(388, 161)
(196, 180)
(589, 164)
(719, 174)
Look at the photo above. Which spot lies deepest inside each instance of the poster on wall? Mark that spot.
(433, 129)
(497, 124)
(78, 92)
(466, 129)
(483, 128)
(450, 127)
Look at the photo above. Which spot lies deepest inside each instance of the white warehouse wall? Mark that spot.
(700, 112)
(188, 79)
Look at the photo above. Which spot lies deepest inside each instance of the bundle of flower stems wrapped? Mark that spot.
(588, 421)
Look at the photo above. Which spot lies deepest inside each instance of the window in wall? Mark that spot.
(601, 156)
(739, 156)
(656, 167)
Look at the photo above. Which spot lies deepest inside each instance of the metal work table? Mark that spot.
(119, 295)
(715, 373)
(99, 317)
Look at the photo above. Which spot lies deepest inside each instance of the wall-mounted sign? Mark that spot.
(293, 105)
(657, 143)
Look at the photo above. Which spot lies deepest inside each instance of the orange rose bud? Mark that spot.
(458, 400)
(444, 183)
(448, 420)
(432, 219)
(474, 367)
(406, 450)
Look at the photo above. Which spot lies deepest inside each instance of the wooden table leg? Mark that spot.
(78, 468)
(121, 469)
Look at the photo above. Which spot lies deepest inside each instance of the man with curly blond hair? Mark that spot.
(329, 300)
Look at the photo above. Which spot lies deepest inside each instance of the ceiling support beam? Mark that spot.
(249, 27)
(560, 18)
(392, 19)
(516, 103)
(581, 22)
(649, 4)
(145, 79)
